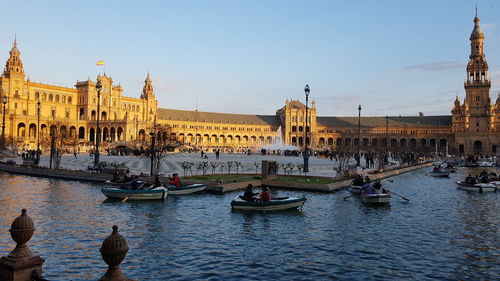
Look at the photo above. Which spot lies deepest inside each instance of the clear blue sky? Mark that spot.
(393, 57)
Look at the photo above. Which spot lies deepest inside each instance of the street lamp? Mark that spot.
(358, 159)
(98, 87)
(306, 152)
(38, 107)
(4, 101)
(152, 150)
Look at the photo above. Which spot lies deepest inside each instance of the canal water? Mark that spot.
(443, 233)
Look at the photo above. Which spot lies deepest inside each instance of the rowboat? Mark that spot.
(355, 189)
(185, 189)
(276, 204)
(157, 193)
(440, 174)
(478, 187)
(376, 198)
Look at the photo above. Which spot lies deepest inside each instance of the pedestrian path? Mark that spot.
(173, 163)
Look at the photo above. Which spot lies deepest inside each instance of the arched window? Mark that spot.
(51, 97)
(63, 99)
(37, 95)
(70, 100)
(44, 97)
(57, 98)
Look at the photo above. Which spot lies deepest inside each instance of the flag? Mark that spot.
(101, 62)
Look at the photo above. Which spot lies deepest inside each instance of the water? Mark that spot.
(443, 233)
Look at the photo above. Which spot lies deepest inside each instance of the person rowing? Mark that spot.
(249, 195)
(358, 180)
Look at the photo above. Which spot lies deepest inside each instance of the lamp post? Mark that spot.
(152, 150)
(98, 87)
(4, 101)
(52, 147)
(38, 107)
(306, 152)
(358, 159)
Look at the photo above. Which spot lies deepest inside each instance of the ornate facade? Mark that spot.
(473, 127)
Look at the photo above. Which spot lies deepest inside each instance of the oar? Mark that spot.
(348, 197)
(398, 195)
(125, 199)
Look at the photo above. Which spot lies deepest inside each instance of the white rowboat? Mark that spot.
(376, 198)
(277, 204)
(158, 193)
(478, 187)
(186, 189)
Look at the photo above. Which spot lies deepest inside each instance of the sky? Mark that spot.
(394, 57)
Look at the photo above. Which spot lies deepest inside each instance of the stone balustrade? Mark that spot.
(22, 265)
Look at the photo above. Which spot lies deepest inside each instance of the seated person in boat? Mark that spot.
(358, 180)
(485, 179)
(377, 186)
(134, 184)
(367, 189)
(175, 180)
(116, 176)
(265, 195)
(475, 180)
(493, 175)
(367, 180)
(157, 182)
(483, 173)
(249, 195)
(469, 179)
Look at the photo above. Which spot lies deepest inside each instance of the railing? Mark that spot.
(22, 265)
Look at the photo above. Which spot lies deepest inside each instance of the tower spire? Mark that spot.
(14, 65)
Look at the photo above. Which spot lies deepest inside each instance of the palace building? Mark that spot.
(472, 128)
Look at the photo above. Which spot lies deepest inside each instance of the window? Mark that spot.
(63, 99)
(15, 105)
(477, 98)
(51, 97)
(70, 100)
(67, 113)
(37, 95)
(57, 98)
(44, 97)
(53, 113)
(24, 112)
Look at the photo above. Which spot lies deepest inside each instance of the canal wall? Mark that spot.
(332, 187)
(213, 186)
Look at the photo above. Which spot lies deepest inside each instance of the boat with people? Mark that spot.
(275, 204)
(185, 188)
(157, 193)
(483, 182)
(254, 201)
(375, 194)
(439, 171)
(357, 184)
(477, 187)
(376, 198)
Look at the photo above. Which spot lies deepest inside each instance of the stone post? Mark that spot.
(20, 263)
(113, 250)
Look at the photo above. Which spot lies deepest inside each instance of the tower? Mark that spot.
(477, 85)
(14, 65)
(149, 101)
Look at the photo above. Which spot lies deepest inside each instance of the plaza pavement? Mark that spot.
(172, 164)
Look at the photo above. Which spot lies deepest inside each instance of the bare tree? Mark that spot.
(61, 137)
(163, 142)
(341, 165)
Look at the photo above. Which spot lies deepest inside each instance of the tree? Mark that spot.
(64, 139)
(342, 159)
(163, 142)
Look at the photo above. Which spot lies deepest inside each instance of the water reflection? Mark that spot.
(443, 233)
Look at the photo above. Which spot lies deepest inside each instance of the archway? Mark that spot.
(81, 133)
(478, 147)
(21, 130)
(32, 130)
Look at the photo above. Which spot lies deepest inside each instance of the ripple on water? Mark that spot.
(442, 233)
